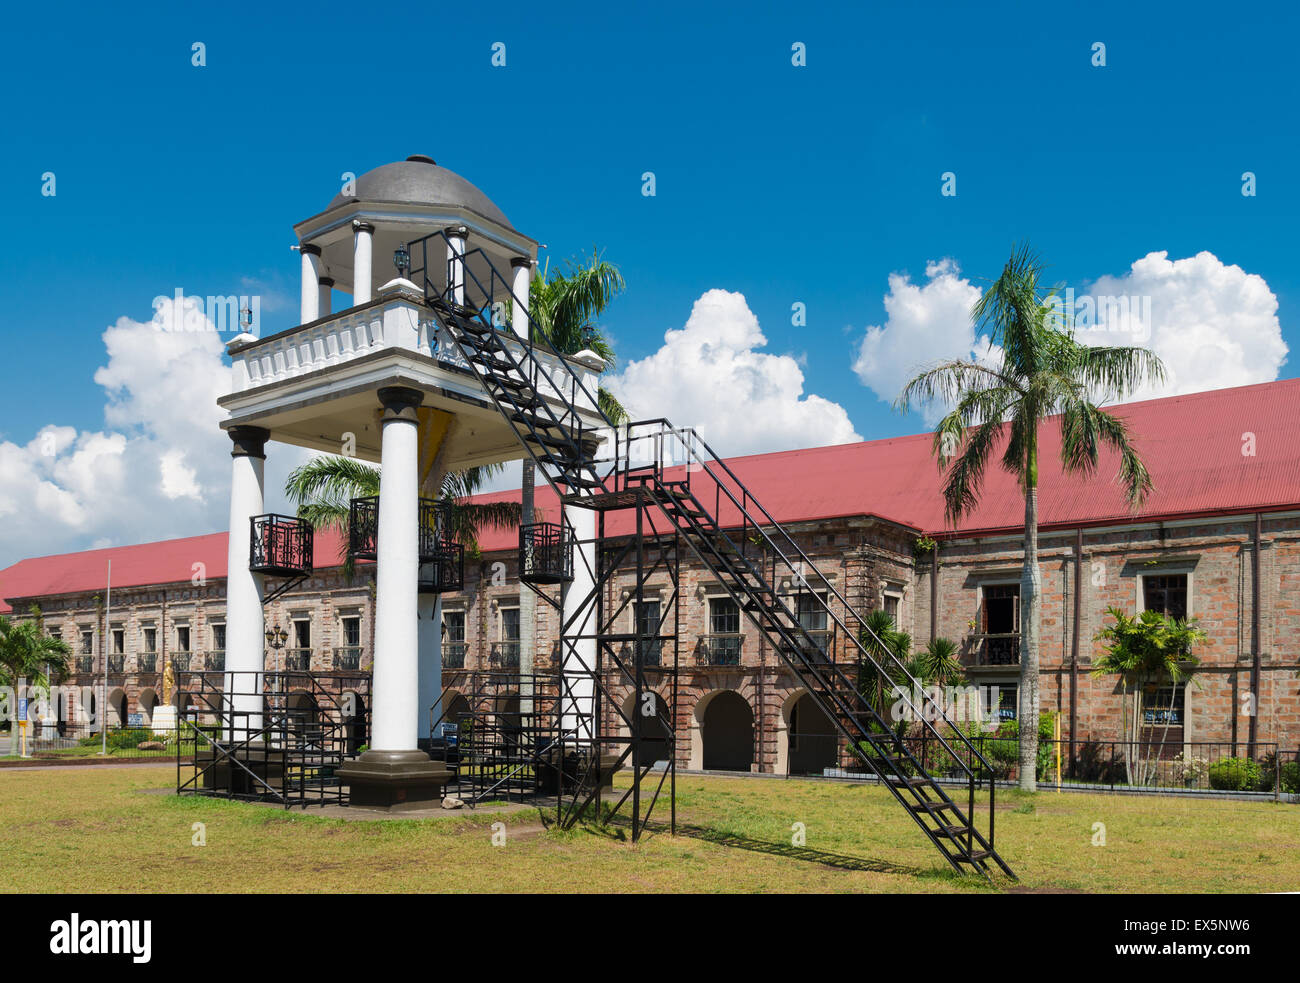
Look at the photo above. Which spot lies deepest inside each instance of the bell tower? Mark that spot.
(385, 380)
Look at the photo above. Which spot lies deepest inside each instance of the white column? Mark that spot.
(579, 605)
(323, 306)
(519, 308)
(245, 627)
(455, 264)
(430, 632)
(395, 704)
(362, 233)
(310, 282)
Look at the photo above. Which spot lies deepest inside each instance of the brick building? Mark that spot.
(1218, 540)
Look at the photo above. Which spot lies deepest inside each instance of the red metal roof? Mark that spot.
(1193, 446)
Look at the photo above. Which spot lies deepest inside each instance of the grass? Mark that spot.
(99, 831)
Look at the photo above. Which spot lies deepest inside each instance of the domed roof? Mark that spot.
(418, 180)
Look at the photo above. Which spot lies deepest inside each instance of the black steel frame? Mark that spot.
(537, 391)
(442, 559)
(280, 754)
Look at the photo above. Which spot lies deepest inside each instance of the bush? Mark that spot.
(1269, 770)
(120, 740)
(1235, 775)
(1291, 777)
(1009, 733)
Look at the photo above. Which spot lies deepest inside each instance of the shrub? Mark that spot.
(127, 738)
(1291, 777)
(1235, 775)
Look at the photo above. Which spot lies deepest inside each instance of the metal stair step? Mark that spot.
(930, 806)
(975, 857)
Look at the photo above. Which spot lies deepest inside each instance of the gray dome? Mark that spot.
(419, 181)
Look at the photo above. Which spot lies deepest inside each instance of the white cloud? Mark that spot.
(710, 375)
(1213, 325)
(160, 470)
(924, 323)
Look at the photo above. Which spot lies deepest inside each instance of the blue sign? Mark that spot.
(22, 708)
(135, 719)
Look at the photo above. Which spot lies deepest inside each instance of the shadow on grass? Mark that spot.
(618, 827)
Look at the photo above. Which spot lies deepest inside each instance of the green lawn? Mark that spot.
(99, 830)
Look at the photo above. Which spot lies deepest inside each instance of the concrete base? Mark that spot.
(221, 775)
(395, 780)
(164, 719)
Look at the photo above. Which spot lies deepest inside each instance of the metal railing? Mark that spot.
(215, 660)
(85, 664)
(347, 658)
(453, 655)
(995, 649)
(117, 663)
(297, 659)
(504, 655)
(146, 662)
(180, 661)
(719, 649)
(69, 741)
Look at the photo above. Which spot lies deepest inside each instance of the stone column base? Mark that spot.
(395, 780)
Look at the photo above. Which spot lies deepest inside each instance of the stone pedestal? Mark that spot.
(395, 780)
(164, 719)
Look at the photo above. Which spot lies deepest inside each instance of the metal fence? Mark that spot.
(1145, 765)
(73, 741)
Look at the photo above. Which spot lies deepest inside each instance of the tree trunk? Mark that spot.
(1031, 583)
(527, 601)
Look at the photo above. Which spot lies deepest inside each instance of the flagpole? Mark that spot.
(103, 700)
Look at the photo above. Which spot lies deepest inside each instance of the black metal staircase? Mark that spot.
(592, 463)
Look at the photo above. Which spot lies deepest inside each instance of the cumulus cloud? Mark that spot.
(711, 375)
(923, 322)
(1212, 324)
(161, 468)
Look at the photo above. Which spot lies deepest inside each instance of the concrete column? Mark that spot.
(455, 264)
(579, 607)
(395, 703)
(522, 267)
(245, 627)
(310, 282)
(430, 645)
(362, 235)
(394, 773)
(326, 284)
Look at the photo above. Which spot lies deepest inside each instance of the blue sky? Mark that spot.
(784, 184)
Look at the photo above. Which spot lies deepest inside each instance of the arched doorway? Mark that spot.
(354, 722)
(654, 727)
(148, 702)
(116, 709)
(726, 732)
(509, 722)
(810, 742)
(301, 713)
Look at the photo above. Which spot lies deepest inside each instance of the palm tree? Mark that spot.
(1146, 652)
(564, 307)
(323, 488)
(27, 652)
(939, 663)
(1044, 371)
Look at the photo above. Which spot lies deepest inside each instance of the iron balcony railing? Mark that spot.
(545, 553)
(297, 659)
(995, 649)
(147, 662)
(453, 655)
(215, 660)
(505, 655)
(117, 663)
(280, 545)
(347, 657)
(719, 649)
(85, 663)
(180, 661)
